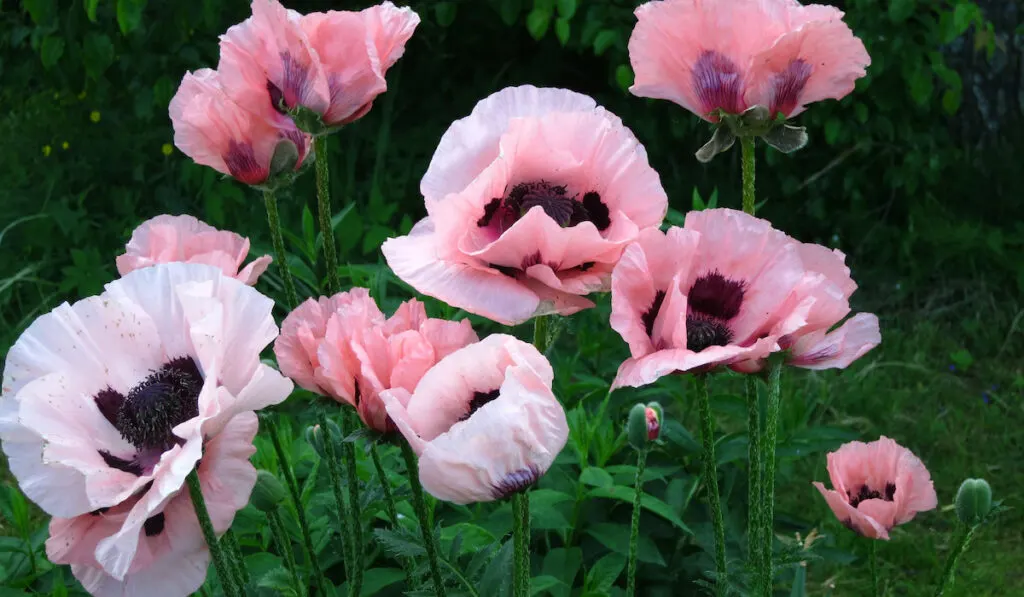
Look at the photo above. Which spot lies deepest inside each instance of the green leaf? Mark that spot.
(598, 477)
(562, 30)
(604, 40)
(41, 11)
(566, 8)
(951, 100)
(649, 502)
(964, 14)
(444, 12)
(616, 538)
(921, 86)
(400, 543)
(833, 127)
(537, 23)
(624, 76)
(496, 577)
(544, 509)
(376, 579)
(545, 583)
(97, 54)
(510, 10)
(474, 538)
(129, 14)
(900, 10)
(279, 580)
(603, 574)
(563, 564)
(799, 582)
(90, 9)
(962, 358)
(52, 50)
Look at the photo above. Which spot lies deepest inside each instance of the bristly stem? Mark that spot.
(521, 579)
(771, 429)
(420, 504)
(323, 200)
(284, 545)
(540, 333)
(949, 570)
(711, 482)
(389, 499)
(634, 529)
(753, 481)
(873, 557)
(237, 561)
(351, 471)
(300, 512)
(747, 143)
(220, 559)
(332, 457)
(274, 221)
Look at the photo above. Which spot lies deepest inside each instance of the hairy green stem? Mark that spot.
(634, 529)
(873, 557)
(237, 561)
(220, 559)
(389, 499)
(323, 200)
(747, 143)
(461, 577)
(771, 429)
(521, 579)
(540, 333)
(420, 504)
(711, 482)
(274, 221)
(300, 512)
(949, 570)
(753, 481)
(284, 546)
(351, 471)
(348, 559)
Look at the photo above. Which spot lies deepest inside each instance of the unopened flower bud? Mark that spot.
(268, 493)
(644, 424)
(654, 415)
(315, 437)
(973, 501)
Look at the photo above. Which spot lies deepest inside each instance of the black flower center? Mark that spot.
(703, 332)
(567, 210)
(516, 481)
(866, 493)
(479, 399)
(716, 296)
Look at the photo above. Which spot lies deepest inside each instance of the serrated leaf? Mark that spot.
(400, 544)
(129, 14)
(279, 580)
(496, 579)
(649, 503)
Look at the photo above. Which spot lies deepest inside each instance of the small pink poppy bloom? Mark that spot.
(344, 347)
(877, 486)
(728, 289)
(247, 142)
(356, 49)
(108, 404)
(483, 421)
(708, 55)
(530, 201)
(169, 239)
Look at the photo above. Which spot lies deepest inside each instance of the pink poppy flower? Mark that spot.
(356, 49)
(169, 239)
(109, 403)
(731, 56)
(250, 143)
(728, 289)
(877, 486)
(343, 347)
(530, 201)
(483, 421)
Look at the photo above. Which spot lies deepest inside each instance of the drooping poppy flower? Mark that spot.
(344, 347)
(483, 421)
(876, 486)
(530, 201)
(708, 55)
(728, 289)
(251, 143)
(108, 405)
(170, 239)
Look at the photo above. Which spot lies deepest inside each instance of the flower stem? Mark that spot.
(634, 529)
(237, 561)
(300, 513)
(274, 221)
(420, 504)
(753, 481)
(521, 544)
(355, 525)
(873, 557)
(949, 571)
(389, 499)
(771, 428)
(284, 545)
(711, 482)
(540, 333)
(347, 554)
(220, 559)
(323, 199)
(747, 143)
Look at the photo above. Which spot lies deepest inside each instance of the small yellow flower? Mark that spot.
(95, 116)
(47, 150)
(65, 146)
(167, 149)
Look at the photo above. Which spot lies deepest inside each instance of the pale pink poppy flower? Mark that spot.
(483, 421)
(241, 141)
(708, 55)
(109, 403)
(530, 201)
(168, 239)
(728, 289)
(356, 49)
(877, 486)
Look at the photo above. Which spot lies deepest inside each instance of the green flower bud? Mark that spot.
(268, 492)
(644, 424)
(973, 501)
(315, 437)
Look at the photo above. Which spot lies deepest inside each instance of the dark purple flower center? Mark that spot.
(479, 399)
(787, 85)
(713, 301)
(516, 481)
(652, 313)
(566, 210)
(716, 80)
(866, 493)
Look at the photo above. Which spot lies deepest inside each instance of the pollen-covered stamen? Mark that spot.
(651, 314)
(787, 85)
(516, 481)
(716, 81)
(703, 332)
(167, 397)
(479, 399)
(566, 210)
(716, 296)
(866, 493)
(109, 402)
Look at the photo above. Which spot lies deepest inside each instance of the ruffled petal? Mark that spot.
(837, 349)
